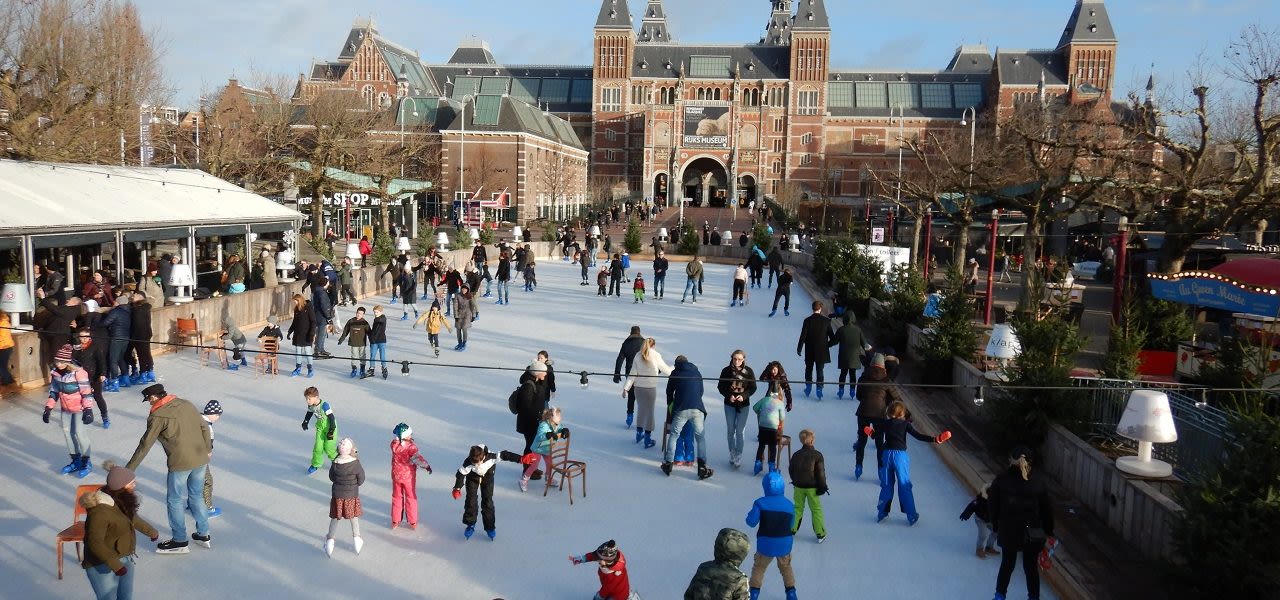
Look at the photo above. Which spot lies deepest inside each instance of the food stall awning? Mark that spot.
(1248, 285)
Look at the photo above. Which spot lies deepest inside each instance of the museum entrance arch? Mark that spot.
(706, 181)
(746, 190)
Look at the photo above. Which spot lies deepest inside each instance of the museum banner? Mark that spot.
(706, 126)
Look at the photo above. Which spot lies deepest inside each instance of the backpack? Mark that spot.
(513, 401)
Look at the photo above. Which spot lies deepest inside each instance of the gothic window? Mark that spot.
(777, 167)
(716, 92)
(777, 145)
(366, 92)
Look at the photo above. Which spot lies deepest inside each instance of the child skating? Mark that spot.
(809, 476)
(71, 392)
(405, 462)
(356, 333)
(476, 474)
(549, 432)
(326, 429)
(211, 413)
(773, 513)
(980, 511)
(892, 436)
(637, 288)
(408, 285)
(435, 320)
(347, 476)
(771, 411)
(614, 582)
(530, 276)
(602, 281)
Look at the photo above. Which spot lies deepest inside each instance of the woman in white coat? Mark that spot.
(644, 377)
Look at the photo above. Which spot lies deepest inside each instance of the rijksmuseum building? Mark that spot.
(666, 119)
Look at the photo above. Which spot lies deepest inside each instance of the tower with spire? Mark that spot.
(1088, 44)
(778, 31)
(653, 28)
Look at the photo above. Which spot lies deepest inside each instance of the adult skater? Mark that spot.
(849, 358)
(783, 292)
(722, 578)
(464, 310)
(322, 309)
(739, 285)
(184, 435)
(111, 518)
(302, 333)
(643, 383)
(737, 386)
(549, 383)
(504, 278)
(530, 402)
(693, 271)
(1022, 516)
(615, 275)
(684, 394)
(815, 340)
(755, 264)
(775, 264)
(627, 355)
(660, 266)
(874, 392)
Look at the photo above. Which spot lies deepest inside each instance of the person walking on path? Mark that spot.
(347, 475)
(1022, 516)
(737, 385)
(111, 518)
(722, 578)
(773, 513)
(815, 339)
(643, 383)
(69, 391)
(185, 437)
(809, 477)
(849, 359)
(783, 292)
(684, 394)
(627, 356)
(874, 393)
(892, 436)
(693, 271)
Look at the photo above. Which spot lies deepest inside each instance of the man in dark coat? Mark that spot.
(57, 331)
(92, 357)
(684, 397)
(660, 266)
(627, 354)
(875, 390)
(815, 339)
(530, 402)
(849, 360)
(119, 324)
(775, 264)
(322, 309)
(140, 343)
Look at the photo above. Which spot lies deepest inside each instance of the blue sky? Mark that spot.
(207, 42)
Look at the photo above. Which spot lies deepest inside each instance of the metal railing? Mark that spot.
(1203, 432)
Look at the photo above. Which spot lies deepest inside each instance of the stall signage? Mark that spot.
(344, 199)
(1216, 294)
(889, 256)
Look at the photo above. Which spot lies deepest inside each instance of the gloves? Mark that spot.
(305, 424)
(47, 412)
(823, 491)
(86, 417)
(331, 432)
(869, 431)
(617, 379)
(155, 538)
(121, 571)
(564, 433)
(943, 437)
(457, 493)
(428, 469)
(577, 560)
(529, 459)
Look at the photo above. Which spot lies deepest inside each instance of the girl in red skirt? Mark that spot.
(347, 476)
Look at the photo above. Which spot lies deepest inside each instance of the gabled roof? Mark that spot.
(653, 29)
(504, 113)
(398, 188)
(327, 70)
(359, 28)
(1024, 67)
(407, 67)
(472, 52)
(614, 14)
(971, 59)
(778, 31)
(811, 16)
(751, 61)
(1089, 23)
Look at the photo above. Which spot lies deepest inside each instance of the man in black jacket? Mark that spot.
(119, 324)
(783, 292)
(660, 266)
(627, 354)
(815, 338)
(58, 329)
(615, 275)
(530, 403)
(775, 264)
(140, 340)
(92, 357)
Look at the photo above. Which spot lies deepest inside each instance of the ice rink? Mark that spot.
(268, 543)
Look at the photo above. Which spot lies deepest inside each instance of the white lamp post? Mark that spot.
(15, 300)
(181, 281)
(518, 233)
(595, 231)
(415, 113)
(1002, 347)
(663, 234)
(795, 242)
(353, 251)
(726, 238)
(474, 233)
(1148, 420)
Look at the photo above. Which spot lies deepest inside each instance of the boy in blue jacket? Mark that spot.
(774, 514)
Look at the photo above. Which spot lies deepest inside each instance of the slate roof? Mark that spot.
(919, 77)
(1089, 23)
(407, 65)
(653, 29)
(754, 61)
(472, 54)
(811, 16)
(614, 14)
(512, 115)
(327, 70)
(971, 59)
(1023, 67)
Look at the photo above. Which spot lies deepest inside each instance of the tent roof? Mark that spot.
(1261, 272)
(45, 198)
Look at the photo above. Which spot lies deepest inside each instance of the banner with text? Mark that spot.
(706, 126)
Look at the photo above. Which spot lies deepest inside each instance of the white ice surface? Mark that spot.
(268, 541)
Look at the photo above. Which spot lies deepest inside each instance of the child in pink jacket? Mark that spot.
(405, 461)
(69, 390)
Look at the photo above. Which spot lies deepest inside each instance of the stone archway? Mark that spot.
(706, 181)
(661, 188)
(746, 189)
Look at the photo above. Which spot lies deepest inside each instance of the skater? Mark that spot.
(637, 289)
(684, 394)
(476, 474)
(815, 338)
(346, 283)
(69, 390)
(347, 476)
(549, 432)
(874, 393)
(693, 272)
(435, 320)
(549, 384)
(530, 403)
(626, 264)
(211, 413)
(627, 355)
(1022, 516)
(111, 518)
(326, 428)
(660, 266)
(405, 462)
(615, 275)
(755, 266)
(775, 264)
(90, 356)
(140, 343)
(187, 444)
(809, 477)
(322, 309)
(770, 414)
(739, 285)
(643, 383)
(979, 509)
(378, 340)
(737, 385)
(504, 277)
(614, 583)
(602, 280)
(585, 269)
(271, 329)
(479, 255)
(408, 285)
(119, 325)
(774, 514)
(530, 275)
(464, 310)
(722, 578)
(892, 437)
(783, 292)
(302, 333)
(774, 373)
(231, 331)
(356, 331)
(849, 358)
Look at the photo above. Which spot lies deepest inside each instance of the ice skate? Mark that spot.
(358, 543)
(493, 534)
(328, 547)
(172, 547)
(470, 531)
(205, 541)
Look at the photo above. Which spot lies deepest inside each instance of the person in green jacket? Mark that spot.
(722, 578)
(326, 429)
(187, 443)
(346, 281)
(111, 517)
(809, 476)
(849, 338)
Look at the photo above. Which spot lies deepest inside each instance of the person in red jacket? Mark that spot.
(365, 250)
(405, 462)
(614, 583)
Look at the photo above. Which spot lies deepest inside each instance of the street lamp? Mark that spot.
(991, 266)
(462, 153)
(1118, 270)
(401, 111)
(970, 118)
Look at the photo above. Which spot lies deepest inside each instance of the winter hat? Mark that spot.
(607, 551)
(274, 320)
(536, 367)
(122, 300)
(64, 354)
(117, 476)
(402, 431)
(91, 305)
(152, 266)
(877, 360)
(346, 447)
(153, 390)
(213, 407)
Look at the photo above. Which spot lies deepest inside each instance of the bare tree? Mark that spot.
(329, 134)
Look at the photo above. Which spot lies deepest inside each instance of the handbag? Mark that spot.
(1035, 535)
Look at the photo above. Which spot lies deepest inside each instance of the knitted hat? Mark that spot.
(213, 407)
(402, 431)
(64, 354)
(877, 360)
(117, 476)
(346, 447)
(91, 305)
(536, 367)
(607, 551)
(153, 390)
